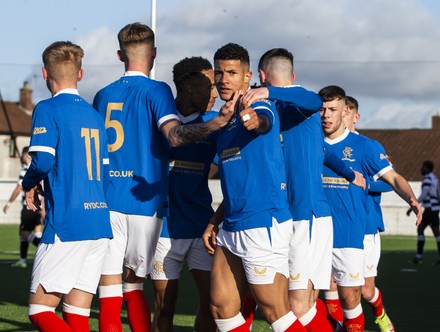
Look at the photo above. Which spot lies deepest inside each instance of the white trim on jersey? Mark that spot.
(167, 118)
(41, 148)
(382, 172)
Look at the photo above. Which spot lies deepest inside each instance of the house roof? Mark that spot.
(19, 118)
(408, 148)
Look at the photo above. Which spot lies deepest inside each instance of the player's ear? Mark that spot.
(80, 75)
(247, 77)
(120, 56)
(45, 74)
(263, 77)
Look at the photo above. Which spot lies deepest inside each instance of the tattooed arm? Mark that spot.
(178, 135)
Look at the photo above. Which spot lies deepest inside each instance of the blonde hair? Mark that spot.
(135, 34)
(63, 59)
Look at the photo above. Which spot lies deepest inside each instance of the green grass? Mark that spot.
(410, 292)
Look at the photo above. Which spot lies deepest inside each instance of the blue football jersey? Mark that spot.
(303, 146)
(251, 167)
(68, 128)
(134, 107)
(190, 197)
(349, 203)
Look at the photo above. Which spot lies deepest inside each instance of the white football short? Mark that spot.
(348, 266)
(171, 254)
(372, 254)
(310, 255)
(133, 244)
(263, 251)
(61, 266)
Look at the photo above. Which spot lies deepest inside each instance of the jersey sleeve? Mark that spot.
(44, 134)
(377, 163)
(266, 108)
(305, 101)
(163, 104)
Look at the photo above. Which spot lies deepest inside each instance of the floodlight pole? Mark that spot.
(153, 27)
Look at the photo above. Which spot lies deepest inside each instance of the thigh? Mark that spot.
(228, 284)
(272, 298)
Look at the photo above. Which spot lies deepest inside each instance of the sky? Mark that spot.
(386, 54)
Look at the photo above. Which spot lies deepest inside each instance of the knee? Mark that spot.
(367, 293)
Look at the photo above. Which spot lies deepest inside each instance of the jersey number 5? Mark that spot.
(88, 134)
(116, 125)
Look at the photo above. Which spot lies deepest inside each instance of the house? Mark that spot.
(15, 125)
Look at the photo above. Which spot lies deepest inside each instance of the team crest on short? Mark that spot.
(348, 154)
(295, 277)
(158, 267)
(354, 276)
(370, 267)
(260, 271)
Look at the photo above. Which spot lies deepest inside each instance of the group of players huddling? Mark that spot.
(127, 197)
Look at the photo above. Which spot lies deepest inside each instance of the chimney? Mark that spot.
(26, 97)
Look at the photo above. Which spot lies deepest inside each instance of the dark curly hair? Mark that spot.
(189, 67)
(232, 51)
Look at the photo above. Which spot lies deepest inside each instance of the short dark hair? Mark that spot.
(189, 67)
(429, 165)
(232, 51)
(275, 53)
(352, 103)
(332, 92)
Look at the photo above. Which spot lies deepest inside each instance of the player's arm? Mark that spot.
(340, 168)
(211, 230)
(305, 101)
(379, 187)
(403, 189)
(178, 135)
(41, 165)
(14, 195)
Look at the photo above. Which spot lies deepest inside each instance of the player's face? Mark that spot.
(230, 76)
(213, 90)
(203, 89)
(350, 119)
(332, 115)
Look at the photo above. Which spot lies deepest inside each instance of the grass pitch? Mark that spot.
(411, 292)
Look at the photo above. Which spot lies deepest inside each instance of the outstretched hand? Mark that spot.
(33, 198)
(227, 111)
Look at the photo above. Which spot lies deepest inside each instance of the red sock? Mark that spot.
(110, 314)
(77, 323)
(241, 328)
(377, 305)
(248, 310)
(319, 323)
(354, 324)
(335, 313)
(138, 311)
(48, 321)
(296, 327)
(320, 307)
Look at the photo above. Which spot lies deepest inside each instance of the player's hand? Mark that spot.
(227, 111)
(209, 238)
(408, 212)
(6, 208)
(359, 180)
(254, 94)
(417, 208)
(32, 199)
(251, 120)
